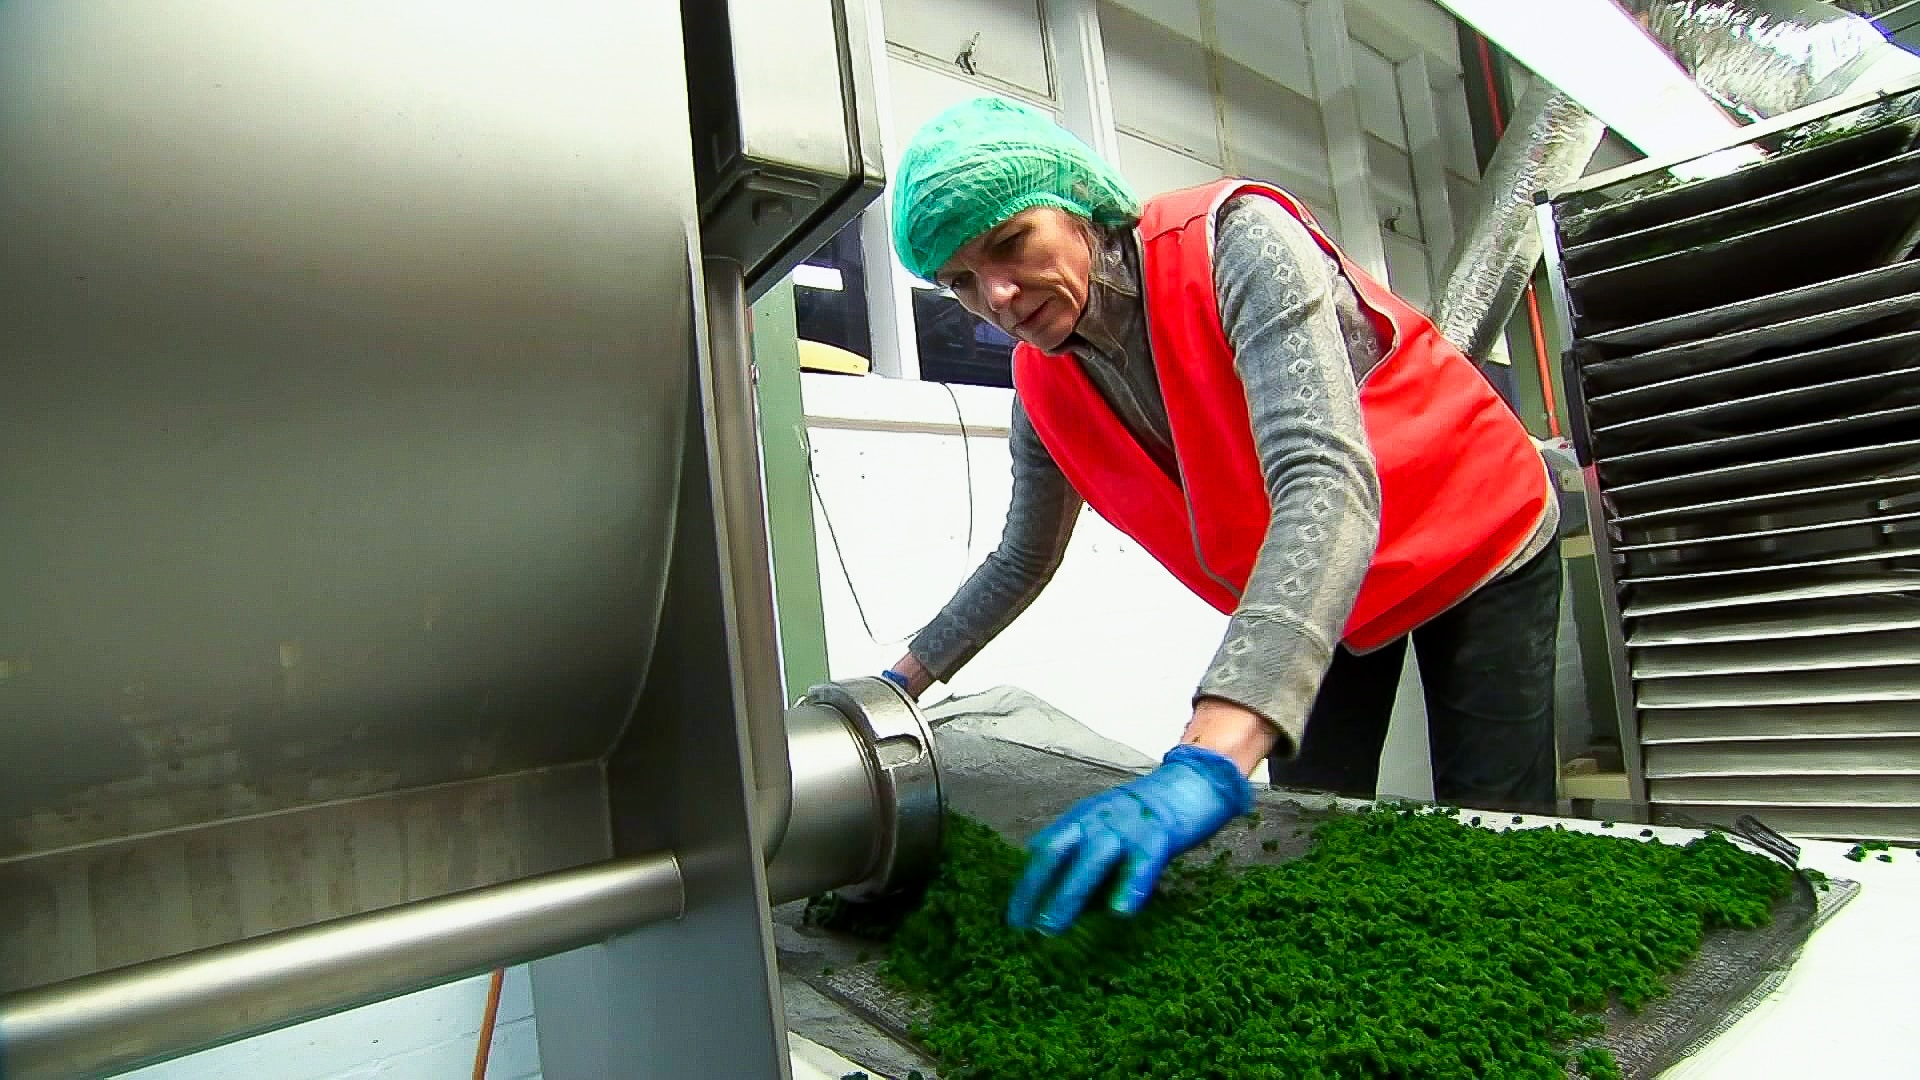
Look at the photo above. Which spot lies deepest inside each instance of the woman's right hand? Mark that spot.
(911, 675)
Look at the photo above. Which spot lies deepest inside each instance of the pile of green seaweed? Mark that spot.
(1403, 944)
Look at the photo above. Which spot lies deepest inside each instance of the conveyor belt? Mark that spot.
(1017, 790)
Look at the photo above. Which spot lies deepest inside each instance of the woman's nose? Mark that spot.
(999, 293)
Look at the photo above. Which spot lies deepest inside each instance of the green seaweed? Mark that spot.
(1403, 943)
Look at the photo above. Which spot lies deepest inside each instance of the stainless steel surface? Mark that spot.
(868, 814)
(789, 149)
(1798, 688)
(1772, 501)
(1766, 312)
(1846, 822)
(1722, 595)
(119, 902)
(1774, 475)
(645, 1003)
(1862, 720)
(1841, 653)
(1814, 618)
(906, 779)
(733, 432)
(381, 525)
(1548, 142)
(340, 418)
(1625, 723)
(114, 1020)
(1836, 757)
(1848, 559)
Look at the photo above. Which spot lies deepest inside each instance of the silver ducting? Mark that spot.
(1549, 142)
(1761, 58)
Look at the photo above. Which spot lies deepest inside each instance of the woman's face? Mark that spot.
(1027, 275)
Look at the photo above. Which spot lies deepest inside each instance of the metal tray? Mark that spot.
(1768, 477)
(1712, 595)
(1817, 194)
(1802, 619)
(1778, 173)
(1812, 532)
(1772, 502)
(1841, 435)
(1829, 244)
(1760, 313)
(1799, 688)
(1885, 554)
(1820, 519)
(1762, 412)
(1685, 383)
(1017, 790)
(1837, 653)
(1785, 723)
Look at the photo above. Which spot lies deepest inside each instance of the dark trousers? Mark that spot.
(1487, 669)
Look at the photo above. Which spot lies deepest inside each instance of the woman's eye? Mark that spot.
(1007, 244)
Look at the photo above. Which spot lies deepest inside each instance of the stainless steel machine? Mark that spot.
(384, 587)
(1743, 376)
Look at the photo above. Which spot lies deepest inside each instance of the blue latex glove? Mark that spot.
(1138, 828)
(897, 679)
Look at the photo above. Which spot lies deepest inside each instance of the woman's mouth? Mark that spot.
(1032, 316)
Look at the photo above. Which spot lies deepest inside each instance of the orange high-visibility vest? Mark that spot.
(1462, 485)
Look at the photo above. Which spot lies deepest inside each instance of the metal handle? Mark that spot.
(733, 435)
(114, 1020)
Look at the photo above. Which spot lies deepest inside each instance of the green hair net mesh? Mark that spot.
(983, 161)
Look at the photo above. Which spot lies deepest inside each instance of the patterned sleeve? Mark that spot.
(1277, 296)
(1040, 521)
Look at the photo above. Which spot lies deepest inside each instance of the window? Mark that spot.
(830, 294)
(955, 347)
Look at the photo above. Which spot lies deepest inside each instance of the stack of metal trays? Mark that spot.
(1745, 373)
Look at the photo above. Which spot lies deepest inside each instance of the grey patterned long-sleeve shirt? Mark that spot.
(1301, 346)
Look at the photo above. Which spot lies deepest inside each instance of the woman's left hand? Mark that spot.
(1136, 829)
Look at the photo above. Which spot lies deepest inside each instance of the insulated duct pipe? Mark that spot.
(1548, 142)
(1761, 58)
(1758, 57)
(866, 819)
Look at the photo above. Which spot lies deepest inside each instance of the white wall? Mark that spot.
(1114, 641)
(430, 1035)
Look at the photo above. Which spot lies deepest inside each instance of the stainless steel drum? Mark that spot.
(383, 584)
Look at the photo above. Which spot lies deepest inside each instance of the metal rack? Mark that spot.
(1743, 376)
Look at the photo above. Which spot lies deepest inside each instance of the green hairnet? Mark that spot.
(983, 161)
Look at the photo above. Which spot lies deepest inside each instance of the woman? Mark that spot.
(1296, 444)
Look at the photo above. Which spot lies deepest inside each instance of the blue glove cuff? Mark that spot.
(896, 679)
(1219, 770)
